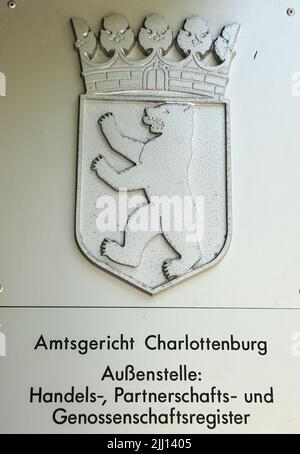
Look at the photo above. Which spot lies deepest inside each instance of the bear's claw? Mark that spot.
(103, 246)
(104, 116)
(95, 162)
(166, 271)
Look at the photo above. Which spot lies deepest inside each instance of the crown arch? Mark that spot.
(155, 78)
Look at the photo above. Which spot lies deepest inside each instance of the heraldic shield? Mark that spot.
(153, 189)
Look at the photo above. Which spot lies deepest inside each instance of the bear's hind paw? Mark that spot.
(105, 116)
(103, 246)
(168, 271)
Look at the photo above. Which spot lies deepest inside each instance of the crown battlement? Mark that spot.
(122, 72)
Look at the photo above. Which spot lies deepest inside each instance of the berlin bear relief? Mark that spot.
(161, 166)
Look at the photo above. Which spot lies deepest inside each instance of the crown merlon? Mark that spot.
(190, 75)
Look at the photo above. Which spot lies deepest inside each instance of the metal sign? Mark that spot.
(153, 199)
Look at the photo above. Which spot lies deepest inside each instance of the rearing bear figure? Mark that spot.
(161, 169)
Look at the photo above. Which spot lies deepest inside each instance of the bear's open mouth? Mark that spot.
(153, 121)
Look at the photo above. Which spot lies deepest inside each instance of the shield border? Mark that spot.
(159, 98)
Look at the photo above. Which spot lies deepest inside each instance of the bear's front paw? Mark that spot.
(107, 117)
(96, 164)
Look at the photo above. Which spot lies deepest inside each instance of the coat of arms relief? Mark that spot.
(153, 198)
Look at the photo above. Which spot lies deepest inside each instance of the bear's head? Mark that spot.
(177, 119)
